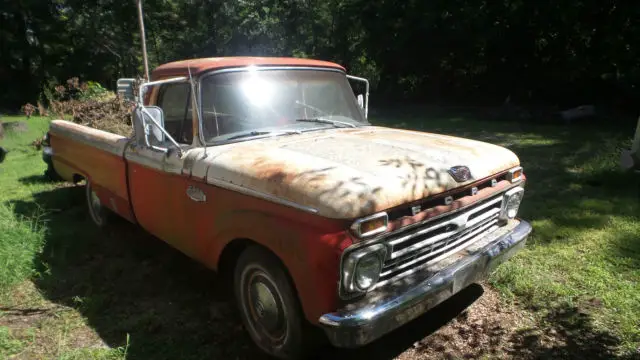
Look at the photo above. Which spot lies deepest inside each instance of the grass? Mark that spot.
(9, 345)
(584, 254)
(69, 291)
(20, 238)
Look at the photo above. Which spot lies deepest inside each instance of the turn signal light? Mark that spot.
(371, 225)
(514, 174)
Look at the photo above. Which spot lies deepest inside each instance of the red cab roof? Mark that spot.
(198, 66)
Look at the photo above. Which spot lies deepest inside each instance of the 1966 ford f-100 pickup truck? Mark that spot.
(267, 170)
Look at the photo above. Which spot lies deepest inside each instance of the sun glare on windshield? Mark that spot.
(257, 90)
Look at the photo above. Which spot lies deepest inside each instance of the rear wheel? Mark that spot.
(99, 214)
(268, 305)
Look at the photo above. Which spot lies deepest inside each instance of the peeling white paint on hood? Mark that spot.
(349, 173)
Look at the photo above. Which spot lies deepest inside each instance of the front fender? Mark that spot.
(310, 251)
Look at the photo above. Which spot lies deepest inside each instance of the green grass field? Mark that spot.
(69, 291)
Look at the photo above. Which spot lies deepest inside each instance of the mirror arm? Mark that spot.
(164, 132)
(366, 95)
(146, 141)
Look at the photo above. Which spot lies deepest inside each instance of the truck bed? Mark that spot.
(84, 153)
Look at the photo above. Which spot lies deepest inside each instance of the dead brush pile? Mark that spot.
(91, 105)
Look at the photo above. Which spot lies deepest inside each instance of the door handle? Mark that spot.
(196, 194)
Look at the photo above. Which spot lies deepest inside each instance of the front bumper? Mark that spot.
(359, 324)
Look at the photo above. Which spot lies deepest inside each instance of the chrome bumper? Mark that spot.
(368, 319)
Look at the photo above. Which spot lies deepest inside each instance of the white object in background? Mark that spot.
(579, 112)
(630, 159)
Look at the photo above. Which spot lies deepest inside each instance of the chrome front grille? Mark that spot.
(416, 247)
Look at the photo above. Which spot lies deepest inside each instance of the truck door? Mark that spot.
(158, 182)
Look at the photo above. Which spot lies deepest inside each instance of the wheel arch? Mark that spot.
(78, 178)
(230, 254)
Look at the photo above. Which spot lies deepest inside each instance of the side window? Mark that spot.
(175, 101)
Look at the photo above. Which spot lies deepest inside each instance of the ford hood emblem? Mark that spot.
(460, 173)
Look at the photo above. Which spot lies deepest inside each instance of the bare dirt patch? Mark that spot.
(485, 329)
(15, 126)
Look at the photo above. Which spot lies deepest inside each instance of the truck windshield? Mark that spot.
(247, 104)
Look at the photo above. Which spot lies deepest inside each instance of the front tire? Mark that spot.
(268, 305)
(98, 212)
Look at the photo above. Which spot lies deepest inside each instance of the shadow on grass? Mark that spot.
(574, 336)
(35, 179)
(125, 281)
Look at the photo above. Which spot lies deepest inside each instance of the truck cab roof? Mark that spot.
(201, 65)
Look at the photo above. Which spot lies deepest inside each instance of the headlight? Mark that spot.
(361, 268)
(511, 203)
(371, 225)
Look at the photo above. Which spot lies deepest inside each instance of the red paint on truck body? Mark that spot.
(309, 246)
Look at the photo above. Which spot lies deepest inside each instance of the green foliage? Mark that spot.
(557, 52)
(92, 90)
(89, 104)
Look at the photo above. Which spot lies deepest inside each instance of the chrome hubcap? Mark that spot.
(95, 202)
(265, 306)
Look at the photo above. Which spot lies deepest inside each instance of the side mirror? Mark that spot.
(149, 128)
(149, 123)
(363, 101)
(125, 89)
(360, 101)
(154, 122)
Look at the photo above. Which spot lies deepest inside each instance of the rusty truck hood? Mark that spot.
(349, 173)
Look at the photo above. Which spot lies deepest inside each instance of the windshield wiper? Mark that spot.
(249, 134)
(335, 123)
(260, 133)
(291, 132)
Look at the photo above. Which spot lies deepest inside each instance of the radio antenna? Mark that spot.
(143, 41)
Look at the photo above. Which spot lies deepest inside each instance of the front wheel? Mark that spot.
(268, 305)
(99, 213)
